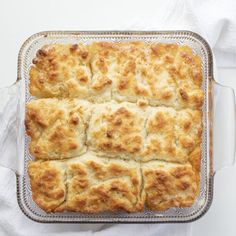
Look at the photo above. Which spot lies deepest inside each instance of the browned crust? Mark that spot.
(88, 185)
(164, 74)
(116, 129)
(170, 185)
(56, 127)
(47, 184)
(159, 124)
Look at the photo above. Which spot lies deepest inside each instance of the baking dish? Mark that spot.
(218, 135)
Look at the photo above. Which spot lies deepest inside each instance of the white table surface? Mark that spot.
(20, 19)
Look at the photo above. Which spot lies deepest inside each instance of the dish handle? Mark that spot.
(10, 127)
(224, 129)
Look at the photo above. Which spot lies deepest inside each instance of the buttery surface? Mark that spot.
(117, 126)
(162, 74)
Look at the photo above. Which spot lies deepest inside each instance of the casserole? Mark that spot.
(212, 99)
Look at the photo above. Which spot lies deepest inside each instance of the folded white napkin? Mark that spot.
(214, 20)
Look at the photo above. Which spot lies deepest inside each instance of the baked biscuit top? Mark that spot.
(163, 74)
(57, 127)
(169, 185)
(88, 184)
(115, 126)
(117, 130)
(60, 71)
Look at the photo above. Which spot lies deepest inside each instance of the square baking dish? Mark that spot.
(219, 104)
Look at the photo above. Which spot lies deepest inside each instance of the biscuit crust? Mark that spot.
(60, 71)
(115, 126)
(169, 185)
(172, 135)
(47, 181)
(164, 74)
(56, 127)
(117, 130)
(88, 184)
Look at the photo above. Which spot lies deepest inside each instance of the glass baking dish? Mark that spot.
(218, 138)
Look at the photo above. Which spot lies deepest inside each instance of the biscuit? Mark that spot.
(117, 130)
(60, 70)
(171, 135)
(169, 185)
(56, 127)
(47, 180)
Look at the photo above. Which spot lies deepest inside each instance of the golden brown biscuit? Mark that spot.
(47, 181)
(98, 184)
(187, 72)
(160, 142)
(130, 79)
(143, 74)
(57, 127)
(171, 135)
(117, 130)
(61, 70)
(169, 185)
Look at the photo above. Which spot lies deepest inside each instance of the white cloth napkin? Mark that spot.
(214, 20)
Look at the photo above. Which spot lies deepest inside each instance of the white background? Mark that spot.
(20, 19)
